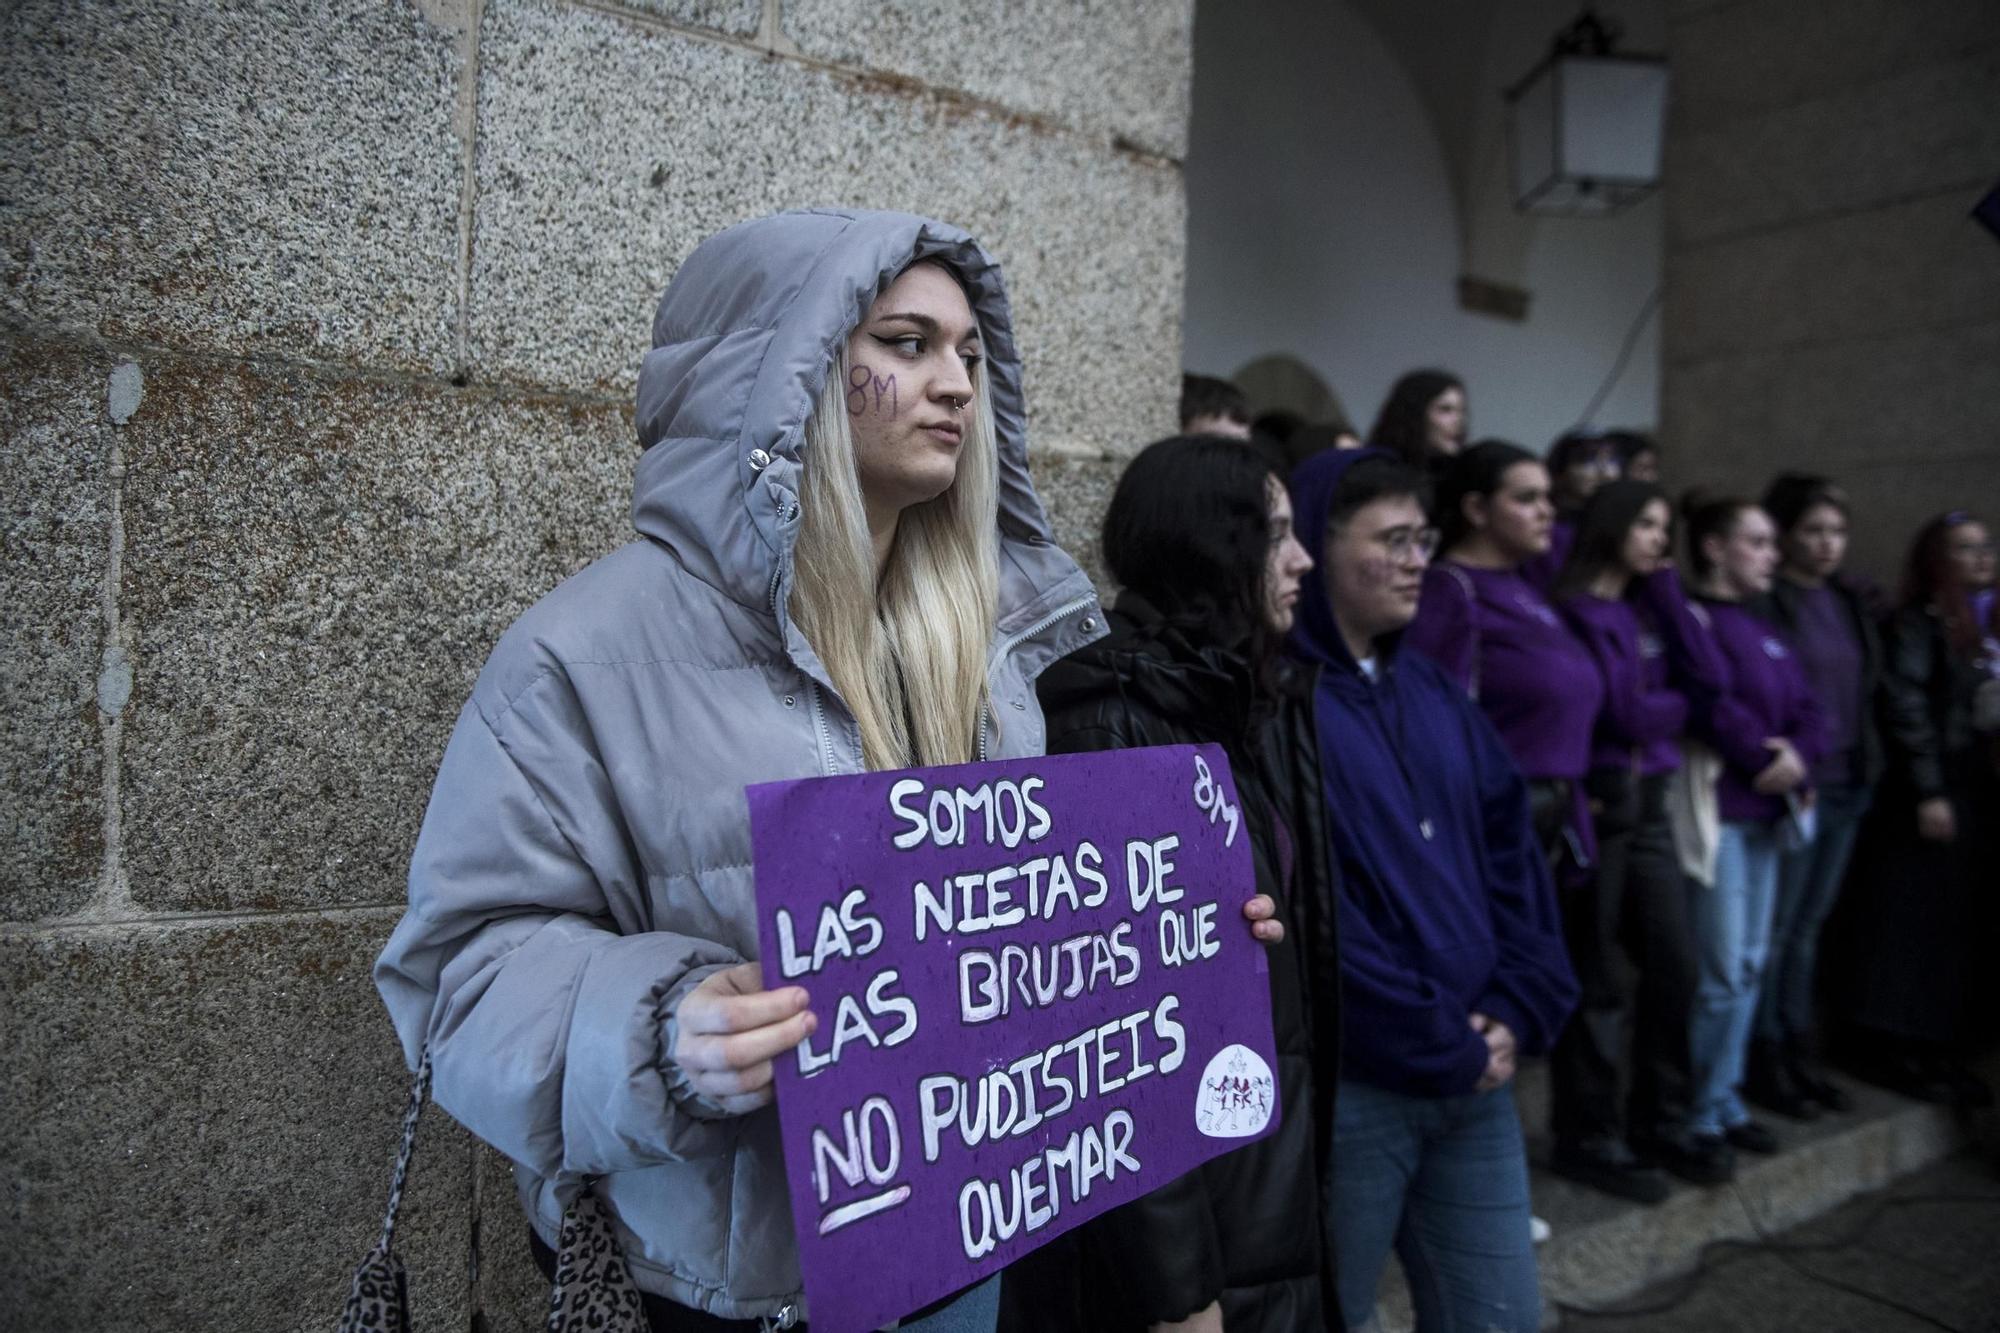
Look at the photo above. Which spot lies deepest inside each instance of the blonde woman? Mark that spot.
(841, 565)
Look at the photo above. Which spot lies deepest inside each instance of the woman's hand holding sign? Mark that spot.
(1262, 914)
(729, 1030)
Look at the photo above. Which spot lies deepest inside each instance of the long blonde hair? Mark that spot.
(908, 655)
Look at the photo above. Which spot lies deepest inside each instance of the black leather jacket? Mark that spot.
(1926, 708)
(1246, 1228)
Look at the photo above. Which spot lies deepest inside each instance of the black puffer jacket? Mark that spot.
(1245, 1228)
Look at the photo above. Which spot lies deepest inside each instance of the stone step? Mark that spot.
(1603, 1250)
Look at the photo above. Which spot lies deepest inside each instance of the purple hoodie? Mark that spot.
(1444, 902)
(1496, 635)
(1767, 696)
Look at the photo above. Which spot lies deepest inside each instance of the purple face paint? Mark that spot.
(1038, 999)
(862, 379)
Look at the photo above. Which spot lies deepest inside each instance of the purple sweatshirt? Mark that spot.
(1767, 696)
(1643, 715)
(1496, 635)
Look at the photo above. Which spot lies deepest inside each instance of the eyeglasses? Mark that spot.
(1402, 543)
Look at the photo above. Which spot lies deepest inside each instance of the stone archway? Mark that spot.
(1280, 382)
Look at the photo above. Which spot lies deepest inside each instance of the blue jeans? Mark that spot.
(1732, 938)
(1808, 884)
(1444, 1181)
(977, 1311)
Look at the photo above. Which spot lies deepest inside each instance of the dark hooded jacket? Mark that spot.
(1782, 606)
(1244, 1228)
(1445, 907)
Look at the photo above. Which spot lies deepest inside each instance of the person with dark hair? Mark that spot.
(1767, 729)
(1278, 424)
(1452, 961)
(1424, 420)
(1830, 630)
(1497, 636)
(1199, 536)
(1923, 883)
(1638, 456)
(1211, 406)
(1632, 914)
(1579, 462)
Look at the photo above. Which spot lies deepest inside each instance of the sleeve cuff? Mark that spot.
(1497, 1006)
(679, 1089)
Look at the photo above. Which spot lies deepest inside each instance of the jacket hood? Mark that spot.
(741, 347)
(1315, 633)
(1147, 660)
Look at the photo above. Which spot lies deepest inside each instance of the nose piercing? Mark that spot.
(957, 404)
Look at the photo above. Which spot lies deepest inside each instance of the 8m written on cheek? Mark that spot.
(860, 381)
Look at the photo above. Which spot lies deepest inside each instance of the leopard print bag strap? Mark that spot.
(378, 1298)
(593, 1289)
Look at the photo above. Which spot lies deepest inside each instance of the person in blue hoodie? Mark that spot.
(1453, 965)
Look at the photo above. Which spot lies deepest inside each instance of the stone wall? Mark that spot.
(318, 326)
(1830, 304)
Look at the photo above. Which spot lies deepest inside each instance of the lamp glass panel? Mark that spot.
(1613, 112)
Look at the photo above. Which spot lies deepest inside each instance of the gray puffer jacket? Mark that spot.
(585, 860)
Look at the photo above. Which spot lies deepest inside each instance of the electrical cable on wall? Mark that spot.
(1787, 1252)
(1624, 356)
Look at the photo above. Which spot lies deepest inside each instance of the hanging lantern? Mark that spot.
(1584, 127)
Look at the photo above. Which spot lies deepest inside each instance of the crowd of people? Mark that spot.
(1533, 762)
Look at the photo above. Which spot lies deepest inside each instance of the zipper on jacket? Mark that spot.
(825, 742)
(787, 1317)
(1008, 644)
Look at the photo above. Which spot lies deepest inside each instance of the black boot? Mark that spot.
(1811, 1080)
(1608, 1165)
(1699, 1160)
(1768, 1082)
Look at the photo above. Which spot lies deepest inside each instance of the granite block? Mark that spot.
(1097, 306)
(315, 570)
(1114, 70)
(738, 18)
(55, 546)
(1076, 491)
(1901, 268)
(1904, 420)
(1859, 148)
(1739, 60)
(1687, 9)
(1902, 495)
(273, 179)
(201, 1126)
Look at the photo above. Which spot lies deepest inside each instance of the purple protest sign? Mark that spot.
(1038, 999)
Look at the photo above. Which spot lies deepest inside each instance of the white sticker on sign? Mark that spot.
(1237, 1094)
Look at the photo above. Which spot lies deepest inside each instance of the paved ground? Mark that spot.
(1930, 1245)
